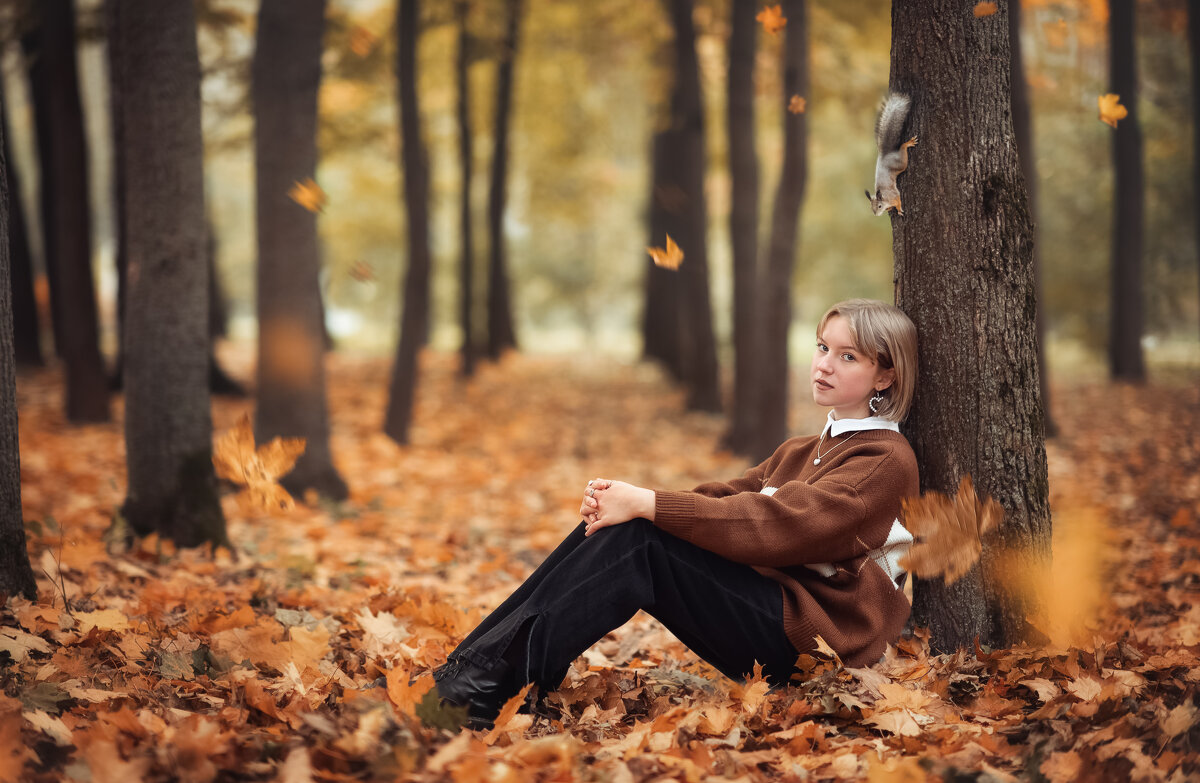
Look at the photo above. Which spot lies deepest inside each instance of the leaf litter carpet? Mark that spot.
(306, 656)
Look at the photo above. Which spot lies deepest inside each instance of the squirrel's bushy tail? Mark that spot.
(889, 126)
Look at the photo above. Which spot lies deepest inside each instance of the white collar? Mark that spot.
(838, 426)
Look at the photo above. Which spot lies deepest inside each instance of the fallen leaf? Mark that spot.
(984, 9)
(1111, 110)
(948, 532)
(506, 715)
(258, 469)
(669, 258)
(309, 195)
(772, 18)
(797, 104)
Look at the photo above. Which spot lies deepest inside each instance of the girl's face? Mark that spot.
(842, 377)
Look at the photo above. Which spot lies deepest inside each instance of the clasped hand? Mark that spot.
(607, 502)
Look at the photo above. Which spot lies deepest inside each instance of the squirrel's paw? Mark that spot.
(911, 142)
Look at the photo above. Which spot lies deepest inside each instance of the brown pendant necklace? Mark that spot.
(817, 461)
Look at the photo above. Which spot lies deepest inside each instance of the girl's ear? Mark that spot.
(886, 377)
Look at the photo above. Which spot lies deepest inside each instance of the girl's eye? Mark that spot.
(822, 347)
(848, 357)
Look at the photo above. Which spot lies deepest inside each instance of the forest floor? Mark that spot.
(159, 665)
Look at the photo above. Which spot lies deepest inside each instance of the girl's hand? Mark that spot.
(618, 502)
(590, 504)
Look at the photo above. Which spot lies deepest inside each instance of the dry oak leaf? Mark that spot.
(772, 18)
(948, 532)
(309, 195)
(1111, 109)
(797, 105)
(258, 469)
(984, 9)
(669, 258)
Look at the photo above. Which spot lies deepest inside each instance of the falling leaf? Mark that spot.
(309, 195)
(405, 692)
(984, 9)
(362, 272)
(362, 41)
(506, 715)
(797, 104)
(670, 258)
(235, 458)
(948, 532)
(772, 18)
(1111, 109)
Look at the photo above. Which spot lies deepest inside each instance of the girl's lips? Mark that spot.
(822, 384)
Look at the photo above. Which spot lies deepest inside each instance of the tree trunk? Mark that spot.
(120, 228)
(168, 427)
(776, 295)
(501, 334)
(291, 332)
(1194, 48)
(27, 343)
(1127, 313)
(16, 576)
(743, 225)
(661, 317)
(964, 274)
(1023, 127)
(416, 203)
(699, 347)
(66, 215)
(466, 151)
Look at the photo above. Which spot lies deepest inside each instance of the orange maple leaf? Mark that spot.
(507, 713)
(362, 41)
(670, 258)
(1111, 109)
(948, 531)
(236, 458)
(984, 9)
(797, 105)
(309, 195)
(772, 18)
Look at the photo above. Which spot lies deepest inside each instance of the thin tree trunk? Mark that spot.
(27, 343)
(120, 228)
(168, 426)
(66, 215)
(661, 316)
(466, 151)
(1194, 49)
(1127, 318)
(964, 274)
(743, 225)
(16, 575)
(1023, 127)
(501, 334)
(699, 347)
(291, 330)
(776, 295)
(402, 392)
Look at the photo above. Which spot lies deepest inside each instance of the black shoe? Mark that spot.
(460, 683)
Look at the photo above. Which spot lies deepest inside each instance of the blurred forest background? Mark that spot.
(592, 80)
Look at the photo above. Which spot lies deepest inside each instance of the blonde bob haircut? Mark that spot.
(883, 332)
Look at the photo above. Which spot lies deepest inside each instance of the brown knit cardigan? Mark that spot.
(835, 512)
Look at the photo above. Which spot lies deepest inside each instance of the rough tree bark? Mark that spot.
(699, 347)
(291, 331)
(416, 203)
(1023, 127)
(16, 576)
(465, 154)
(775, 295)
(743, 224)
(27, 344)
(66, 215)
(501, 333)
(964, 273)
(1127, 314)
(168, 427)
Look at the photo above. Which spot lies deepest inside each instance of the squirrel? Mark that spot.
(893, 155)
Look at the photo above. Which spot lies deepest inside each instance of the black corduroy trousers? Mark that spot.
(726, 612)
